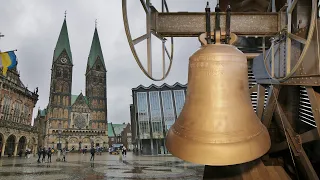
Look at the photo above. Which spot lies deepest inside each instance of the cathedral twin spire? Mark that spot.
(63, 43)
(95, 52)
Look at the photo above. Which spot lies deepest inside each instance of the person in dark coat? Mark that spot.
(39, 154)
(92, 151)
(49, 154)
(43, 152)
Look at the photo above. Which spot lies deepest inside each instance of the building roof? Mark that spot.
(74, 98)
(118, 128)
(159, 87)
(110, 130)
(63, 43)
(43, 112)
(95, 51)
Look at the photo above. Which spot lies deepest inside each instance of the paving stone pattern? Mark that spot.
(105, 166)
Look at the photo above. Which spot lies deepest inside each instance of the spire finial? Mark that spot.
(65, 14)
(95, 23)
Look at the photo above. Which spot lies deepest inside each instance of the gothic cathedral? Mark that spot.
(77, 121)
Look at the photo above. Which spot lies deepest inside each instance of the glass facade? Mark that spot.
(155, 112)
(168, 111)
(179, 98)
(143, 115)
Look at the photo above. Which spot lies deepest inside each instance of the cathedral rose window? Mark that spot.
(80, 121)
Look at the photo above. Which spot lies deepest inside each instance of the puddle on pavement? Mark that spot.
(27, 173)
(136, 170)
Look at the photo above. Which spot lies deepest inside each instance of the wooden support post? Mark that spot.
(261, 97)
(295, 145)
(306, 137)
(314, 99)
(271, 104)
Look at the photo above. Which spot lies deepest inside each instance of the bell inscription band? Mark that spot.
(218, 125)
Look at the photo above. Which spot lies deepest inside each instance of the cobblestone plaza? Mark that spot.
(105, 166)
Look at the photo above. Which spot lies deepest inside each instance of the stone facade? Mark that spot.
(76, 121)
(16, 109)
(126, 137)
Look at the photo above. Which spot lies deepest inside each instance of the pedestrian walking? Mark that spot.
(64, 153)
(92, 151)
(124, 151)
(49, 154)
(28, 153)
(39, 154)
(43, 152)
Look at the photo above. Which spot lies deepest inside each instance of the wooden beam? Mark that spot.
(314, 99)
(261, 97)
(282, 121)
(297, 38)
(271, 104)
(192, 24)
(306, 137)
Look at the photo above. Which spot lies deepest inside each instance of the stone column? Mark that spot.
(3, 149)
(151, 142)
(15, 149)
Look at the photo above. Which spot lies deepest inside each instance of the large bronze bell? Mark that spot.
(218, 125)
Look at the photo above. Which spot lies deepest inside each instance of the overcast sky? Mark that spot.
(33, 28)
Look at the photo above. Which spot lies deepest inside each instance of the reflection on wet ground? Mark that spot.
(105, 166)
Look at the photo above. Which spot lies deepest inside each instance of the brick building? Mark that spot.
(16, 109)
(77, 120)
(120, 134)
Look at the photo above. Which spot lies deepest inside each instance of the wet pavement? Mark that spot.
(105, 166)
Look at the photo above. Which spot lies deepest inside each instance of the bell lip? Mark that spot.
(238, 155)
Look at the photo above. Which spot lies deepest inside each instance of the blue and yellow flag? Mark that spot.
(8, 61)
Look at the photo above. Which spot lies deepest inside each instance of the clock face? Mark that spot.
(63, 60)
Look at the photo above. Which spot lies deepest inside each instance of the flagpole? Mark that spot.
(1, 35)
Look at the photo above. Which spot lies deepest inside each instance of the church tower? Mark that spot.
(61, 81)
(96, 88)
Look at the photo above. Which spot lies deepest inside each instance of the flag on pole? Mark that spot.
(8, 61)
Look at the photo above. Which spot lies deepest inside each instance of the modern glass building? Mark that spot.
(153, 112)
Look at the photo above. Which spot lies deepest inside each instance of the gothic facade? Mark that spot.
(76, 121)
(16, 109)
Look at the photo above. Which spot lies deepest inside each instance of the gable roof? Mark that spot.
(118, 128)
(110, 130)
(63, 43)
(42, 112)
(162, 86)
(75, 97)
(95, 51)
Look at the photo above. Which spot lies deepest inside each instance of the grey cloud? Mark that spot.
(33, 27)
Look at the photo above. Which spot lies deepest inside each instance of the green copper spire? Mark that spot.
(63, 42)
(95, 51)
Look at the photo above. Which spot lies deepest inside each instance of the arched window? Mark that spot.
(58, 87)
(59, 72)
(55, 112)
(65, 113)
(66, 87)
(65, 73)
(98, 68)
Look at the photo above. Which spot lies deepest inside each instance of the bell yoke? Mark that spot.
(218, 125)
